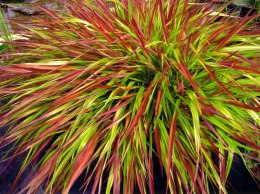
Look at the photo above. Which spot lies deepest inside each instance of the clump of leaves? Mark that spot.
(107, 87)
(5, 34)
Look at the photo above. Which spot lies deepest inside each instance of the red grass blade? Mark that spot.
(173, 129)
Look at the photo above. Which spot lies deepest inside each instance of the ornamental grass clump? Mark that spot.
(107, 88)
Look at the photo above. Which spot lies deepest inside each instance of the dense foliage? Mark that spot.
(107, 87)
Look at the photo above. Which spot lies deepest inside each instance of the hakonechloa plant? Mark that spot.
(110, 87)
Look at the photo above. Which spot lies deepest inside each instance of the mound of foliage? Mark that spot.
(107, 87)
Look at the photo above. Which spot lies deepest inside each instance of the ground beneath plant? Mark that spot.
(21, 11)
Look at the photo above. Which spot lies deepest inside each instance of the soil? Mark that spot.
(26, 10)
